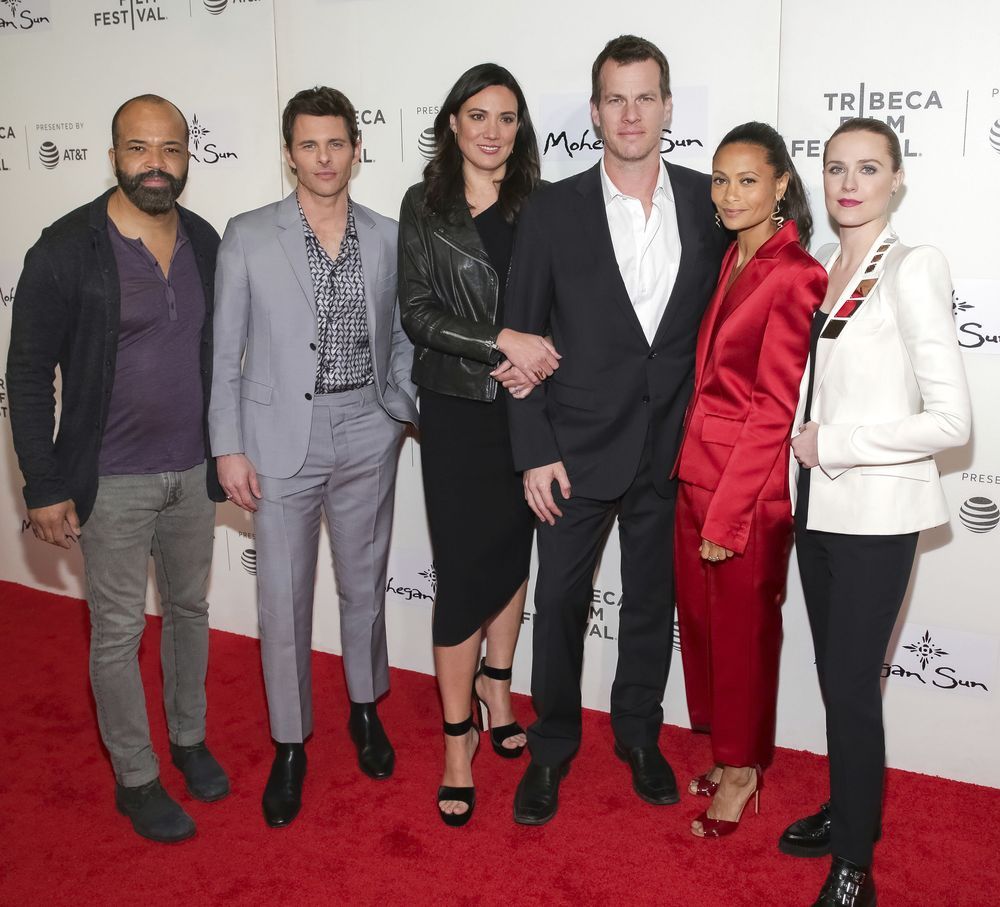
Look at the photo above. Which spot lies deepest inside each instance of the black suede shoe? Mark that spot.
(203, 775)
(537, 796)
(652, 777)
(376, 757)
(154, 813)
(810, 837)
(283, 793)
(847, 885)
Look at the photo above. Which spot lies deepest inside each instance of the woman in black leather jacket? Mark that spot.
(456, 231)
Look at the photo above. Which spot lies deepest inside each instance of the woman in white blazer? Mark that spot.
(884, 391)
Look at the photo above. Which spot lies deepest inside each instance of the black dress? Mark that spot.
(480, 524)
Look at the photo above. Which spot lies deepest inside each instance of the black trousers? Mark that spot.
(567, 558)
(854, 586)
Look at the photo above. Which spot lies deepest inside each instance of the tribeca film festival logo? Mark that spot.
(893, 106)
(950, 660)
(23, 15)
(206, 152)
(6, 134)
(602, 603)
(412, 592)
(980, 328)
(130, 13)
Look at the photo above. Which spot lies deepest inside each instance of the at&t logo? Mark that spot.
(217, 7)
(249, 561)
(426, 144)
(49, 154)
(995, 136)
(979, 515)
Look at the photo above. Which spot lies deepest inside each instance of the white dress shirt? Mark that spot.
(648, 252)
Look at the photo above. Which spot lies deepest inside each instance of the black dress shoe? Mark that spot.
(847, 885)
(203, 775)
(537, 797)
(154, 813)
(810, 837)
(283, 794)
(376, 757)
(652, 777)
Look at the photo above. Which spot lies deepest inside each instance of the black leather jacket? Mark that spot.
(448, 296)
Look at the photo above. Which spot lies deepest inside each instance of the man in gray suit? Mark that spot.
(311, 394)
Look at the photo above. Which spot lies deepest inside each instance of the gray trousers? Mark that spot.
(350, 475)
(169, 515)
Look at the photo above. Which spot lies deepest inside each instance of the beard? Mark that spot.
(147, 199)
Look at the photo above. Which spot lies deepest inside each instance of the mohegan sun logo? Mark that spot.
(430, 574)
(198, 131)
(13, 4)
(925, 650)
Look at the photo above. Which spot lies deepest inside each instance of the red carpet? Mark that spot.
(363, 842)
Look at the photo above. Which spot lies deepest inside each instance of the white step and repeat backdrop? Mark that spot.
(231, 65)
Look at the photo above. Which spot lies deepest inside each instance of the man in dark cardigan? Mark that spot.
(118, 294)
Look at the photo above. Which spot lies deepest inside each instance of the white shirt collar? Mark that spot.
(611, 191)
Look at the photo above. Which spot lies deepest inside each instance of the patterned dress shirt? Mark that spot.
(343, 360)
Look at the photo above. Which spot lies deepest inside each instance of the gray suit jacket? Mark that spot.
(264, 371)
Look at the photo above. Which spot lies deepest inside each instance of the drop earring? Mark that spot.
(779, 221)
(718, 220)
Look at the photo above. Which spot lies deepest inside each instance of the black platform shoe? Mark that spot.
(465, 795)
(505, 731)
(847, 885)
(810, 837)
(283, 793)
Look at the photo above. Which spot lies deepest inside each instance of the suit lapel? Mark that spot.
(293, 242)
(595, 221)
(706, 335)
(858, 291)
(370, 248)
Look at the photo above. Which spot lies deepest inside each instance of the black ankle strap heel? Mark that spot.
(497, 734)
(465, 795)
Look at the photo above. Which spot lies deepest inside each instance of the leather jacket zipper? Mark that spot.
(439, 233)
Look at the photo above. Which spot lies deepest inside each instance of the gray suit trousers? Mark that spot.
(349, 474)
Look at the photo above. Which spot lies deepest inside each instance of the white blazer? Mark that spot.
(889, 392)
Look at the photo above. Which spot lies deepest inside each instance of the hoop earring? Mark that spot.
(779, 221)
(718, 220)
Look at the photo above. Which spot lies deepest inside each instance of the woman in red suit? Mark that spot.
(734, 519)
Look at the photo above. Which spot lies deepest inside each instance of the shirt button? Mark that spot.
(312, 346)
(309, 396)
(653, 354)
(645, 398)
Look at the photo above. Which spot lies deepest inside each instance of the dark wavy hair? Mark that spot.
(444, 186)
(320, 101)
(627, 49)
(877, 127)
(795, 204)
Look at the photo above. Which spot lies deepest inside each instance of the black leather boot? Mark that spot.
(376, 757)
(283, 794)
(847, 885)
(203, 775)
(154, 813)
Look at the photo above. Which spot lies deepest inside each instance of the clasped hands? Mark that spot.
(805, 445)
(530, 359)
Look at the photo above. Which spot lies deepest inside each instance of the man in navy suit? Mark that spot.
(617, 264)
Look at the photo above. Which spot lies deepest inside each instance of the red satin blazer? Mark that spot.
(752, 350)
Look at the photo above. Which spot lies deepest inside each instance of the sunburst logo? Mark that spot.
(924, 650)
(430, 574)
(13, 4)
(198, 131)
(959, 305)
